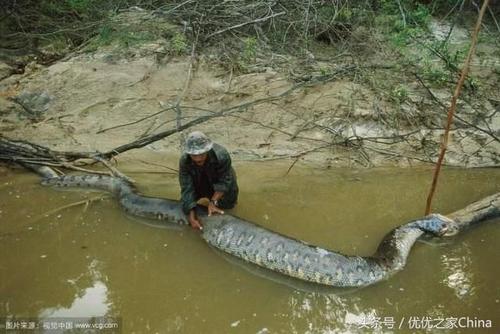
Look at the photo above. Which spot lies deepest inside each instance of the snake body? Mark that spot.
(298, 259)
(130, 200)
(271, 250)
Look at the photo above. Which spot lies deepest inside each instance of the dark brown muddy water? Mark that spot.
(59, 260)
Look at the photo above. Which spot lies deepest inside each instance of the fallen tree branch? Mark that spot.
(113, 170)
(299, 155)
(244, 24)
(438, 101)
(134, 122)
(238, 108)
(64, 207)
(19, 150)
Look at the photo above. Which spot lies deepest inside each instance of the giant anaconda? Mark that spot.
(277, 252)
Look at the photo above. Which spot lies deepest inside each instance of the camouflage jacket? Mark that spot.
(216, 174)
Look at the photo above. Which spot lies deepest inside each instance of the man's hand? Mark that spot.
(194, 221)
(213, 209)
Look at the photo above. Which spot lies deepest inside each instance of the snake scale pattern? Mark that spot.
(271, 250)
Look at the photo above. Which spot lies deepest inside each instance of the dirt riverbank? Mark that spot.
(323, 111)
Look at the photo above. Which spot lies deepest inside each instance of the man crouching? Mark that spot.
(205, 171)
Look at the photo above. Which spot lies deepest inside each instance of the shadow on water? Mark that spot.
(154, 223)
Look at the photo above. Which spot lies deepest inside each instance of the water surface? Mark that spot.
(63, 257)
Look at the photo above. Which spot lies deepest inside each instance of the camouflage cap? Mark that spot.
(197, 143)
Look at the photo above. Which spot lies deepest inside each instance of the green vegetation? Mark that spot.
(242, 30)
(399, 94)
(247, 56)
(250, 49)
(405, 51)
(179, 43)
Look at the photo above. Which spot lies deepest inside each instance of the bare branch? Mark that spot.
(134, 122)
(244, 24)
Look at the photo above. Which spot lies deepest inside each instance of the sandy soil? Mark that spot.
(80, 98)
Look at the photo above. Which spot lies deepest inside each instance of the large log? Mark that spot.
(484, 209)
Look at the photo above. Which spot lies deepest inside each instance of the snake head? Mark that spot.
(438, 225)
